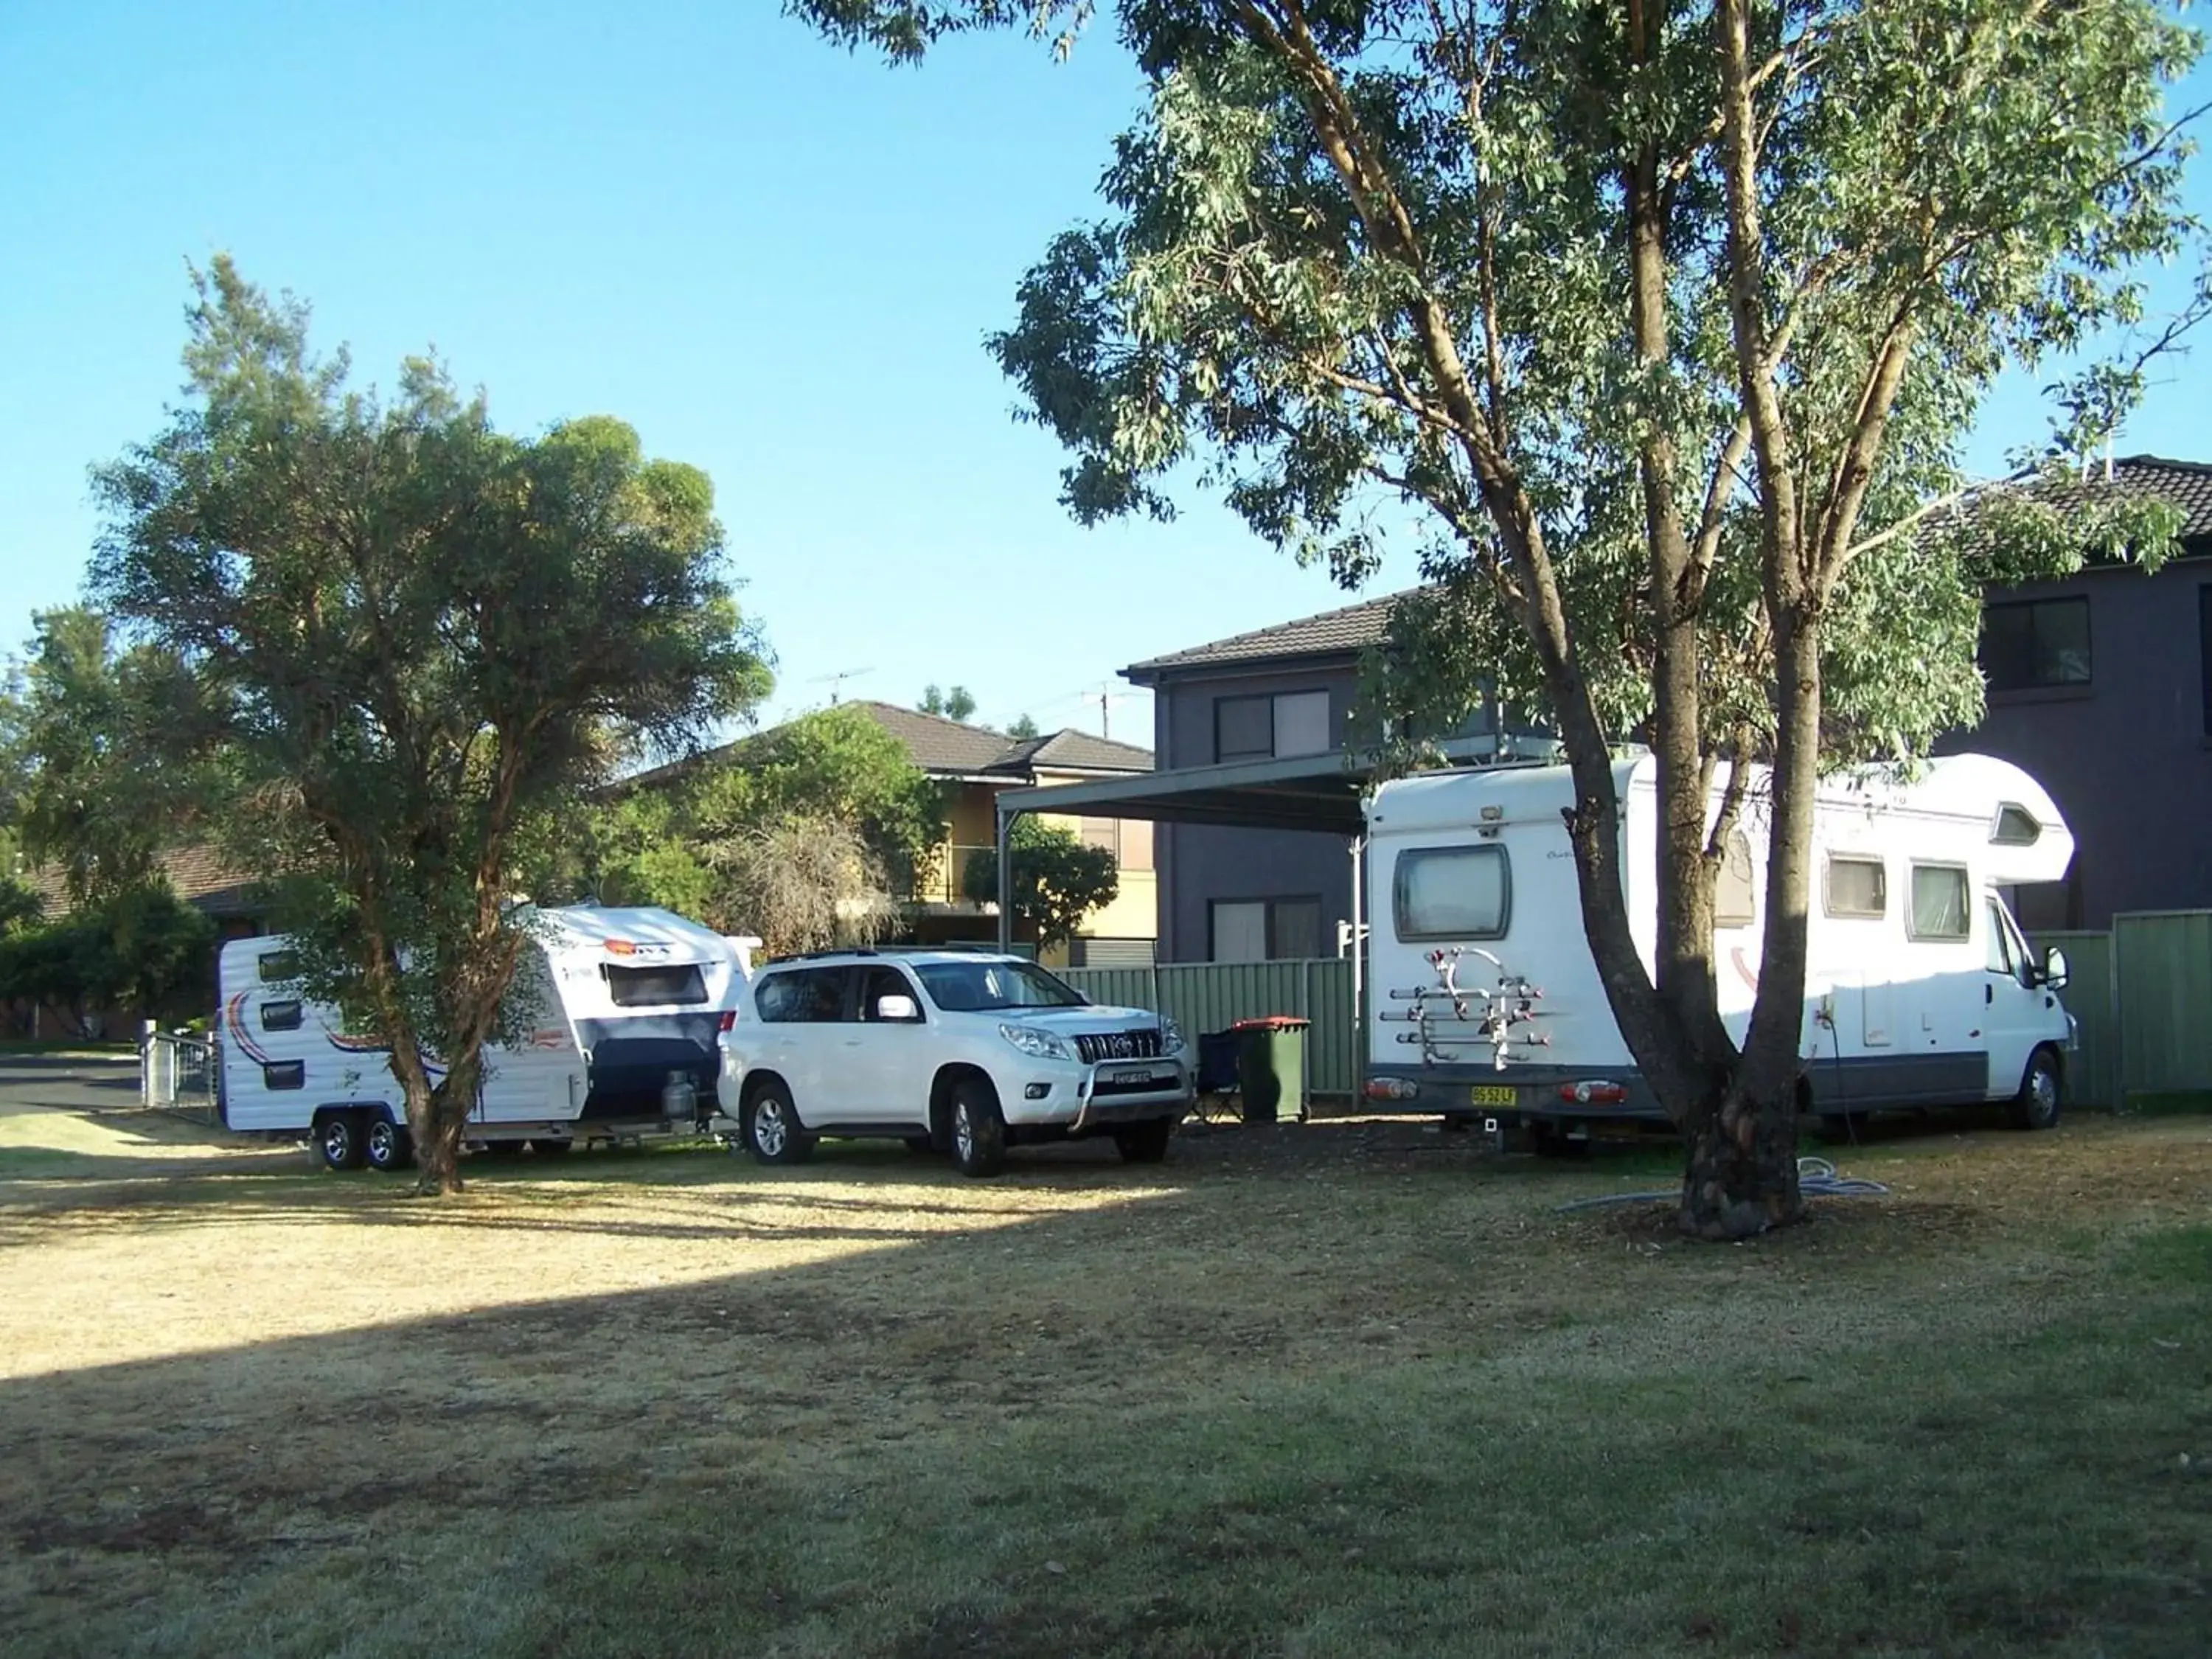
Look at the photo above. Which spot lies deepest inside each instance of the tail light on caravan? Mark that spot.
(1598, 1093)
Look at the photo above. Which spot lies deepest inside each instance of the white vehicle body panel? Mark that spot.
(1916, 1004)
(281, 1058)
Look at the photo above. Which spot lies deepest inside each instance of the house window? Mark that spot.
(1940, 912)
(1130, 840)
(1281, 726)
(1266, 930)
(1734, 903)
(1452, 893)
(678, 986)
(2028, 644)
(280, 1015)
(1857, 887)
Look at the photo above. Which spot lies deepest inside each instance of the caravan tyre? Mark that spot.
(2036, 1105)
(339, 1140)
(388, 1146)
(772, 1127)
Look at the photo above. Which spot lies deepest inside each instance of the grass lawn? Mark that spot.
(1340, 1389)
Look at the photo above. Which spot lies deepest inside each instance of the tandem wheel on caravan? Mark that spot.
(354, 1137)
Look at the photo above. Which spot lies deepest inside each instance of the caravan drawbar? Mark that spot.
(622, 1003)
(1920, 989)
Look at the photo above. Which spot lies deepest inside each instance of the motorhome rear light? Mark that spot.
(1593, 1094)
(1391, 1088)
(729, 1018)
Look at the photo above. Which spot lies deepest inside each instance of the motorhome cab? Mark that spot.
(621, 1005)
(1920, 990)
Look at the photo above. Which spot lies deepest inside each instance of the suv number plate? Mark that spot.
(1136, 1074)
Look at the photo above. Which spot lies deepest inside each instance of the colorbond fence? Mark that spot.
(2163, 987)
(1212, 996)
(2091, 997)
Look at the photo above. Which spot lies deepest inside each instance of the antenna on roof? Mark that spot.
(1107, 696)
(836, 682)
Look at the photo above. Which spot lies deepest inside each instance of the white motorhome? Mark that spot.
(1484, 1002)
(623, 1002)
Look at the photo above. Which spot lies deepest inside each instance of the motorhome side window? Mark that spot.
(1940, 902)
(1733, 904)
(656, 988)
(1857, 887)
(1452, 893)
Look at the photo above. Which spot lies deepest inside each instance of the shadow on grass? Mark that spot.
(1382, 1414)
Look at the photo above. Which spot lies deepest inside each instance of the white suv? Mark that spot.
(949, 1050)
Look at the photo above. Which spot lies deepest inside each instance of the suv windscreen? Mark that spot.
(970, 987)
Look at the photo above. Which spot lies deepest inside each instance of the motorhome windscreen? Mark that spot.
(662, 987)
(1452, 893)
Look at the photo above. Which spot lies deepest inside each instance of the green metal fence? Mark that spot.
(2163, 981)
(2091, 996)
(1212, 996)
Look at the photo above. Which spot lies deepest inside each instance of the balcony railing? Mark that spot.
(939, 875)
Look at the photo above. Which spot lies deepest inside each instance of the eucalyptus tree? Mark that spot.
(1666, 318)
(409, 639)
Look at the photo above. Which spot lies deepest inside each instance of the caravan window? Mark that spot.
(1939, 903)
(280, 1015)
(1452, 892)
(1733, 901)
(668, 985)
(1857, 887)
(277, 966)
(285, 1074)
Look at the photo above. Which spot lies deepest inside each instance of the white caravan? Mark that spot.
(622, 1001)
(1483, 1000)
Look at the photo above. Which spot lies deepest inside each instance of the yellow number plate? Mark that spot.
(1493, 1094)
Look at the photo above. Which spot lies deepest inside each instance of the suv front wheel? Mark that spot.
(773, 1129)
(978, 1132)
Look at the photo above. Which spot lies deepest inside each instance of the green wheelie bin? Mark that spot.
(1271, 1066)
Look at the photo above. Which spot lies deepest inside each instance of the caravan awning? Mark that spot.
(1316, 792)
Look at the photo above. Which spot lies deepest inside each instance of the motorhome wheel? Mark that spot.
(2036, 1106)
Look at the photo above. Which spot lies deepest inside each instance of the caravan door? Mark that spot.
(2014, 1017)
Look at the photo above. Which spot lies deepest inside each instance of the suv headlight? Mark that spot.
(1170, 1037)
(1030, 1041)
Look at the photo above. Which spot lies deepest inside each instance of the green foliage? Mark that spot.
(958, 704)
(1022, 729)
(97, 795)
(132, 949)
(411, 641)
(690, 841)
(1055, 879)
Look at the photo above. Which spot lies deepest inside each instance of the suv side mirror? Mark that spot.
(896, 1007)
(2054, 969)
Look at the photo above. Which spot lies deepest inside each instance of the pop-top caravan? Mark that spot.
(1483, 1000)
(623, 1002)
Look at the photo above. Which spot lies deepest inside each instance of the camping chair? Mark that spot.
(1216, 1085)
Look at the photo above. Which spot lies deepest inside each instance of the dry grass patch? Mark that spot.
(1353, 1389)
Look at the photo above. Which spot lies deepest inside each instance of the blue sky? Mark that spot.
(777, 261)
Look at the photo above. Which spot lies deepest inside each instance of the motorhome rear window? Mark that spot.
(280, 1015)
(277, 966)
(1857, 887)
(285, 1074)
(1734, 905)
(668, 985)
(1452, 892)
(1940, 909)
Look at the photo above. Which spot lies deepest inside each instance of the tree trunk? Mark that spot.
(437, 1119)
(1739, 1176)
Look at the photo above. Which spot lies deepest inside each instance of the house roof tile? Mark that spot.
(1350, 627)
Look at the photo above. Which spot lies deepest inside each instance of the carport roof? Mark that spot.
(1317, 792)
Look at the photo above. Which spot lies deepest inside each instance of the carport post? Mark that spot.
(1006, 821)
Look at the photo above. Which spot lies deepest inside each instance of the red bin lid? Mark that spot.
(1272, 1022)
